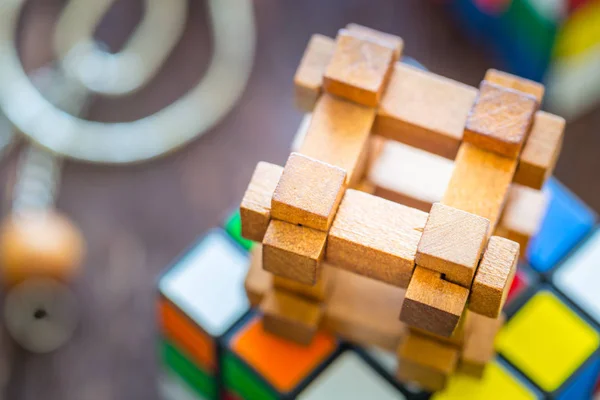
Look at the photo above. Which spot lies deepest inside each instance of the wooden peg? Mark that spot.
(452, 243)
(424, 110)
(255, 210)
(308, 192)
(494, 277)
(290, 317)
(515, 82)
(541, 150)
(309, 75)
(339, 135)
(375, 238)
(318, 292)
(478, 350)
(359, 68)
(433, 304)
(293, 251)
(258, 281)
(500, 119)
(386, 39)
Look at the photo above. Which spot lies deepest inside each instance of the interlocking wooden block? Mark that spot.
(456, 339)
(426, 362)
(424, 110)
(309, 75)
(290, 317)
(494, 277)
(359, 68)
(541, 150)
(293, 251)
(317, 292)
(258, 281)
(308, 192)
(500, 119)
(389, 40)
(478, 350)
(510, 81)
(375, 238)
(339, 135)
(452, 243)
(255, 209)
(480, 183)
(432, 303)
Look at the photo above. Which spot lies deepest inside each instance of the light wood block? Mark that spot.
(290, 317)
(433, 304)
(394, 42)
(255, 210)
(318, 292)
(452, 243)
(500, 119)
(426, 362)
(510, 81)
(456, 339)
(480, 183)
(294, 252)
(494, 277)
(424, 110)
(309, 75)
(338, 135)
(308, 192)
(478, 349)
(541, 150)
(375, 238)
(364, 311)
(258, 281)
(359, 68)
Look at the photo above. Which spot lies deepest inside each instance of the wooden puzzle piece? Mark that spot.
(424, 110)
(375, 238)
(308, 79)
(494, 277)
(258, 281)
(293, 251)
(500, 119)
(541, 150)
(478, 350)
(452, 243)
(338, 135)
(426, 361)
(290, 317)
(511, 81)
(387, 39)
(308, 193)
(433, 304)
(255, 210)
(318, 292)
(480, 183)
(359, 68)
(456, 339)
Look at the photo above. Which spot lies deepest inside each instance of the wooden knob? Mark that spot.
(39, 244)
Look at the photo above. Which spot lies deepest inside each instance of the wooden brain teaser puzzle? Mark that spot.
(409, 245)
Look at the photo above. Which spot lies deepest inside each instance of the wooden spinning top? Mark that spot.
(39, 244)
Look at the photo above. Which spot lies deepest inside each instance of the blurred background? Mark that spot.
(137, 218)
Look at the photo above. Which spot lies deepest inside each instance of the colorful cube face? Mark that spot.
(200, 298)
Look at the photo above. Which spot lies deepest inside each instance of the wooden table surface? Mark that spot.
(137, 219)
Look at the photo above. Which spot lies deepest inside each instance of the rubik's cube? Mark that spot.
(555, 41)
(342, 337)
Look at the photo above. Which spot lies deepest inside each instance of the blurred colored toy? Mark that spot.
(557, 42)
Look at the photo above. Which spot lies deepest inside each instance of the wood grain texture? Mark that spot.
(500, 119)
(308, 193)
(394, 42)
(494, 277)
(255, 210)
(541, 150)
(478, 349)
(425, 361)
(480, 183)
(318, 292)
(424, 110)
(290, 317)
(364, 310)
(294, 252)
(375, 238)
(258, 281)
(452, 243)
(511, 81)
(308, 79)
(359, 68)
(456, 339)
(338, 135)
(433, 304)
